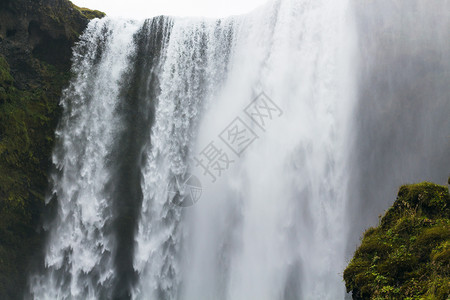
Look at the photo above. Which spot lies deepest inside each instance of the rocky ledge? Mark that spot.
(408, 255)
(36, 38)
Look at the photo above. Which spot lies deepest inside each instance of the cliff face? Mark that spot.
(36, 37)
(408, 255)
(46, 29)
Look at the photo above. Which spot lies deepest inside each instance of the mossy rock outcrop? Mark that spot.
(36, 38)
(47, 28)
(408, 255)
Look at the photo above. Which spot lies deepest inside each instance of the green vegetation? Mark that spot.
(27, 122)
(34, 69)
(408, 255)
(89, 13)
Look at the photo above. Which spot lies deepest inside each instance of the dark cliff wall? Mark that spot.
(36, 37)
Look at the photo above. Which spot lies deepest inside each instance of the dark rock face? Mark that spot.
(45, 28)
(36, 37)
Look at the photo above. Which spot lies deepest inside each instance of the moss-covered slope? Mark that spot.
(35, 51)
(408, 255)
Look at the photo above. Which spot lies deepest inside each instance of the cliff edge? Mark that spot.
(36, 38)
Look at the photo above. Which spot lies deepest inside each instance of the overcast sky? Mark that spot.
(138, 9)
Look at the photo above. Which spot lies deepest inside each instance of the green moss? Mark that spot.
(29, 111)
(68, 17)
(89, 13)
(5, 76)
(408, 255)
(27, 122)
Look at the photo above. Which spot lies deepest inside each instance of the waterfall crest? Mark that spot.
(252, 117)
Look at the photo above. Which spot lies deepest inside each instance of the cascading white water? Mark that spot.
(269, 226)
(187, 75)
(78, 257)
(273, 227)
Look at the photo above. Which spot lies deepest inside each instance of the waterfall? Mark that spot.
(79, 254)
(211, 159)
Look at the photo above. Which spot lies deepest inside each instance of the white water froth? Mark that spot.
(80, 246)
(273, 226)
